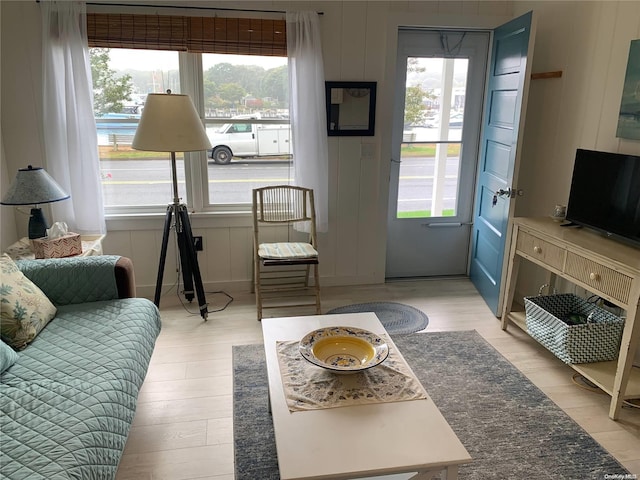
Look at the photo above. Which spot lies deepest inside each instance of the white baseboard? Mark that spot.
(245, 286)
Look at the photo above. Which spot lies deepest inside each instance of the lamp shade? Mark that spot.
(170, 123)
(33, 185)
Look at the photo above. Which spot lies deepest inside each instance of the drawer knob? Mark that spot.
(594, 276)
(537, 249)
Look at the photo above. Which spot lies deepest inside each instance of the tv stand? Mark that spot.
(602, 266)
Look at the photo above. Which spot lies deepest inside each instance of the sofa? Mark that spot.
(68, 395)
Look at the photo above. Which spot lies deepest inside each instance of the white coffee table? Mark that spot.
(355, 441)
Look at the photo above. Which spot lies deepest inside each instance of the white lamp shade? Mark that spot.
(170, 123)
(31, 186)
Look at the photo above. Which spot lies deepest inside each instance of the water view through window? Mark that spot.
(246, 118)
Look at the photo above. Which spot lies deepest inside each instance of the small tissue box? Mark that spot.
(60, 243)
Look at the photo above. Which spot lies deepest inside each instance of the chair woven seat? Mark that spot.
(286, 250)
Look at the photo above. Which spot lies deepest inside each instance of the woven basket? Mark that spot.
(598, 340)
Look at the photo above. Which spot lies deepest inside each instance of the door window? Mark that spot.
(430, 153)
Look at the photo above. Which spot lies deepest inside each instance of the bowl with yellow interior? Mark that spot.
(344, 349)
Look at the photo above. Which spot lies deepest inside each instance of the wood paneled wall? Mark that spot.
(590, 45)
(588, 41)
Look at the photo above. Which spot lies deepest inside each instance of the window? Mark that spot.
(254, 152)
(132, 177)
(244, 100)
(429, 180)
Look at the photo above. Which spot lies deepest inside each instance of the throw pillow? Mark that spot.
(25, 309)
(7, 356)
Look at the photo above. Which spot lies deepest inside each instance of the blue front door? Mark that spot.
(503, 121)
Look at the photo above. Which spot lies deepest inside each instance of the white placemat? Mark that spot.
(308, 387)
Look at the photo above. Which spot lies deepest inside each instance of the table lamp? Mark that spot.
(33, 186)
(170, 123)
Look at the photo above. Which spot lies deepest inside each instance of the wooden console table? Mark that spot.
(602, 266)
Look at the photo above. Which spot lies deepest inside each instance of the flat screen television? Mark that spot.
(605, 194)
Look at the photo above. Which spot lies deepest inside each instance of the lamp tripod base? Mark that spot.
(188, 257)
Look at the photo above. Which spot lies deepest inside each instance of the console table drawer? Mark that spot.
(545, 252)
(601, 278)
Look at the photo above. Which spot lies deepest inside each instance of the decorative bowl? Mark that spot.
(344, 349)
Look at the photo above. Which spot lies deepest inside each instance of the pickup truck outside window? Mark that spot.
(246, 118)
(271, 138)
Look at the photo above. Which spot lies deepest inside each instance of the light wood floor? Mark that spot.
(183, 425)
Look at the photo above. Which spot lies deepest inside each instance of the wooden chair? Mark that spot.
(282, 266)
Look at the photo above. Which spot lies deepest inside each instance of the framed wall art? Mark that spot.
(629, 117)
(351, 108)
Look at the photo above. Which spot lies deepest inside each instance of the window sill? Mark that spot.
(155, 220)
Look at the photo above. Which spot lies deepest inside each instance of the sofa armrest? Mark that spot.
(125, 278)
(81, 279)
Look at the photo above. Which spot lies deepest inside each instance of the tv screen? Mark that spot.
(605, 194)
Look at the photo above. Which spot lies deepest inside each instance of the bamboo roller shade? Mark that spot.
(240, 36)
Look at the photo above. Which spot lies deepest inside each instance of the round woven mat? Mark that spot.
(397, 318)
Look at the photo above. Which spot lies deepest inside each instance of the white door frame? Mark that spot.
(439, 244)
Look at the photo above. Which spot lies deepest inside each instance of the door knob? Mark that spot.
(511, 192)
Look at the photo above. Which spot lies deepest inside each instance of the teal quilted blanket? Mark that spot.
(68, 403)
(73, 279)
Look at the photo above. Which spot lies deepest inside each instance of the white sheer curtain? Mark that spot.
(70, 139)
(308, 109)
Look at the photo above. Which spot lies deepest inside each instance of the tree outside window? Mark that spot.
(253, 88)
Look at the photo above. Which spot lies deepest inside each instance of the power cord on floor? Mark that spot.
(633, 403)
(184, 305)
(186, 308)
(585, 384)
(230, 299)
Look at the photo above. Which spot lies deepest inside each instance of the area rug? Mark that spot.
(509, 427)
(397, 318)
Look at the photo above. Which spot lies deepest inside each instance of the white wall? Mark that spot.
(21, 106)
(590, 45)
(7, 214)
(584, 39)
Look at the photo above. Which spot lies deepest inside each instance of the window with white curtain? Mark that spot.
(243, 98)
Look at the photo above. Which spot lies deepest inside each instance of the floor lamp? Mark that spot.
(170, 123)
